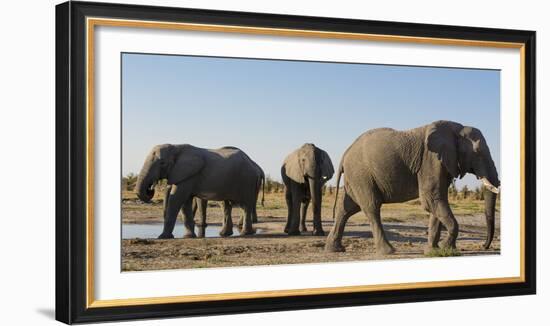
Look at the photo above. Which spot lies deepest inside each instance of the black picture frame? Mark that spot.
(71, 157)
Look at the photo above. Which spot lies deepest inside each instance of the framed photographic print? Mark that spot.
(213, 162)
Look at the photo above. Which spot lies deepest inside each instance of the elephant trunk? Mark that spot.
(491, 190)
(145, 185)
(490, 201)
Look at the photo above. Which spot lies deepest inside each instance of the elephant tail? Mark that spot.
(340, 171)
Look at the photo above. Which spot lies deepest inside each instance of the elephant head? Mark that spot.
(462, 149)
(312, 165)
(174, 163)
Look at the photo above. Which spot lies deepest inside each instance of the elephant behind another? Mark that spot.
(304, 173)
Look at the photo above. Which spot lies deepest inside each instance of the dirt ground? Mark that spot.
(405, 225)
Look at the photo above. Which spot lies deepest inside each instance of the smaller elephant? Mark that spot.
(304, 173)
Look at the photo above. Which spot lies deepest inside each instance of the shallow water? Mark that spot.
(152, 231)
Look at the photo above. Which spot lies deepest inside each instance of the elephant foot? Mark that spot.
(303, 228)
(294, 232)
(202, 232)
(248, 231)
(226, 232)
(448, 244)
(385, 249)
(166, 236)
(189, 235)
(318, 232)
(334, 246)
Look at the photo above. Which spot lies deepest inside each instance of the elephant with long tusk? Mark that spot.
(389, 166)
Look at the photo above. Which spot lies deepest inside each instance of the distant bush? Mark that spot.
(129, 182)
(465, 193)
(478, 193)
(273, 186)
(453, 192)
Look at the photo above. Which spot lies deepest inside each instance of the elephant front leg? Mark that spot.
(434, 234)
(294, 219)
(227, 228)
(297, 196)
(317, 225)
(305, 205)
(175, 200)
(443, 212)
(345, 210)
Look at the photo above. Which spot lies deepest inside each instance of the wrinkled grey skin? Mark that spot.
(225, 174)
(304, 173)
(201, 206)
(390, 166)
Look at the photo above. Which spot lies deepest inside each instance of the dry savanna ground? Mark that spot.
(405, 225)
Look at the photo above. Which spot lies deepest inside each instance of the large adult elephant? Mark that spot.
(225, 174)
(390, 166)
(304, 173)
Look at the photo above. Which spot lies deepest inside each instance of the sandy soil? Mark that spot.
(405, 225)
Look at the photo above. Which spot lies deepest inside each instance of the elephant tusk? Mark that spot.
(489, 186)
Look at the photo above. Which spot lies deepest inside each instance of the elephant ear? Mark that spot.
(294, 168)
(187, 163)
(327, 169)
(441, 139)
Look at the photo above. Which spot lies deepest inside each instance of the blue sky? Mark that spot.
(270, 107)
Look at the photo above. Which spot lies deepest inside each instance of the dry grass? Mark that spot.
(404, 223)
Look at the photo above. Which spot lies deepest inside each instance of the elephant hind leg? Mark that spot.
(344, 212)
(247, 228)
(188, 219)
(383, 247)
(227, 228)
(200, 205)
